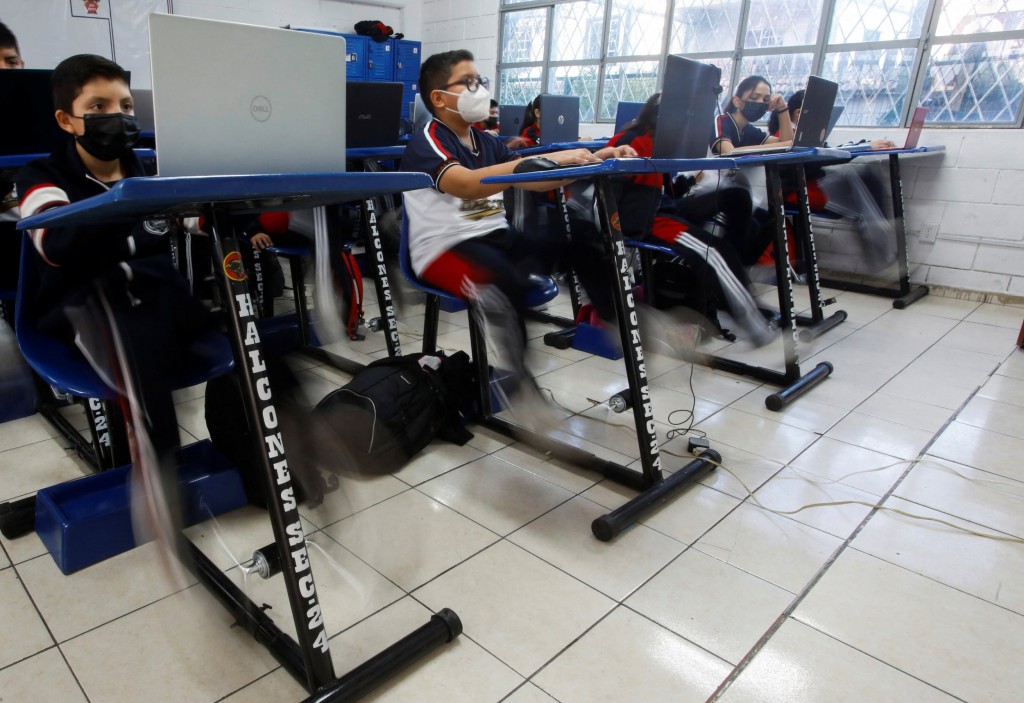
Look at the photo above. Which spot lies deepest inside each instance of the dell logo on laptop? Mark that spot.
(260, 108)
(561, 119)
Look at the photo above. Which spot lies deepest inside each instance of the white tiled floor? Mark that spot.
(717, 595)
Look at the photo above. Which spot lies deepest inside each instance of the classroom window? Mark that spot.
(963, 59)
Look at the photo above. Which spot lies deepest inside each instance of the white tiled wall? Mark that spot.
(974, 192)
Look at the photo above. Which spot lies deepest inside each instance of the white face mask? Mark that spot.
(473, 107)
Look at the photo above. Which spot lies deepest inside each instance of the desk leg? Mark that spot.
(805, 231)
(259, 407)
(562, 339)
(798, 384)
(382, 285)
(908, 294)
(656, 487)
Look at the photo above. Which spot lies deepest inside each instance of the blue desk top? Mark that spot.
(617, 167)
(133, 198)
(799, 155)
(900, 152)
(19, 160)
(376, 152)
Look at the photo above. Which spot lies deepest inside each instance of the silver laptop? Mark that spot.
(238, 99)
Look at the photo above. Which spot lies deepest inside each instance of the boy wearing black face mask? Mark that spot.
(734, 129)
(126, 267)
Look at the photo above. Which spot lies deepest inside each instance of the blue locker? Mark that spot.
(409, 93)
(380, 64)
(407, 60)
(356, 61)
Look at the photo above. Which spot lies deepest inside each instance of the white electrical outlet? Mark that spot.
(929, 233)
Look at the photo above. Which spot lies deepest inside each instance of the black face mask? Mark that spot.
(752, 111)
(110, 136)
(491, 122)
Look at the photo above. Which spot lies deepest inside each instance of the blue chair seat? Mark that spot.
(63, 366)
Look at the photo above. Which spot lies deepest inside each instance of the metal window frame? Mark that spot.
(819, 51)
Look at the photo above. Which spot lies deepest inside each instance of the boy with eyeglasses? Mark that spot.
(459, 238)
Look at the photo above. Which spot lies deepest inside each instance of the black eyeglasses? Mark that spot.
(472, 83)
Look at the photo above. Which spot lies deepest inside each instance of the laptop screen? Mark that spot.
(373, 114)
(510, 120)
(559, 119)
(837, 112)
(143, 101)
(815, 112)
(626, 113)
(916, 124)
(238, 99)
(688, 100)
(29, 125)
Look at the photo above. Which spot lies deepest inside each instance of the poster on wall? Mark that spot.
(90, 8)
(49, 31)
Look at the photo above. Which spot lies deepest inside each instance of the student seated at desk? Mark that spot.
(734, 129)
(844, 190)
(109, 285)
(530, 136)
(712, 260)
(10, 54)
(459, 239)
(489, 125)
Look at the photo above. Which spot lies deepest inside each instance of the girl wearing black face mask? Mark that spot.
(753, 99)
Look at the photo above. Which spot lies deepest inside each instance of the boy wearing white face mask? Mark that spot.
(459, 238)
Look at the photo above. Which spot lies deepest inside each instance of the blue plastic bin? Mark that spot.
(87, 520)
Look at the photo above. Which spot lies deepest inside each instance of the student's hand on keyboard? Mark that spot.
(880, 144)
(616, 152)
(573, 156)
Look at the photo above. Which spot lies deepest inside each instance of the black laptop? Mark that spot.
(29, 126)
(559, 119)
(373, 114)
(815, 114)
(686, 114)
(510, 120)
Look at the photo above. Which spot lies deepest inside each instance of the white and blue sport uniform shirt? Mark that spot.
(438, 221)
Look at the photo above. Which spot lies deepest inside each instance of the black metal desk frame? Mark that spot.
(308, 659)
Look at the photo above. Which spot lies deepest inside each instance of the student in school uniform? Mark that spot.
(10, 54)
(459, 238)
(735, 129)
(103, 285)
(10, 247)
(714, 261)
(847, 191)
(530, 136)
(490, 124)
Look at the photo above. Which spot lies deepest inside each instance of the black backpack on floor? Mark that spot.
(394, 407)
